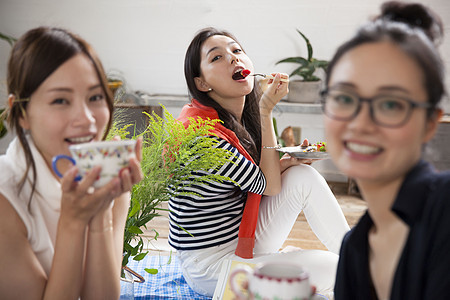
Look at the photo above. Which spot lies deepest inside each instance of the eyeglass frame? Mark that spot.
(412, 105)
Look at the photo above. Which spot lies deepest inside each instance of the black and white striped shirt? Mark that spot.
(213, 216)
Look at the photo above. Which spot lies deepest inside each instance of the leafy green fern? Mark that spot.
(171, 153)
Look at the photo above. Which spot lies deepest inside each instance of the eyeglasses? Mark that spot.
(385, 110)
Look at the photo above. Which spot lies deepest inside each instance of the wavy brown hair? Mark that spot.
(249, 132)
(36, 55)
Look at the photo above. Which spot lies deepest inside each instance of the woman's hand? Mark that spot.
(288, 161)
(127, 178)
(276, 90)
(80, 201)
(133, 174)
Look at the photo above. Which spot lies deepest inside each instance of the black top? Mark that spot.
(423, 271)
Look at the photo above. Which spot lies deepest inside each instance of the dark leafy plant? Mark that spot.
(3, 129)
(307, 66)
(171, 153)
(11, 40)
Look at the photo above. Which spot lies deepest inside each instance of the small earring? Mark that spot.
(210, 89)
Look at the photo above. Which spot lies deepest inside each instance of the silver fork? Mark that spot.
(269, 77)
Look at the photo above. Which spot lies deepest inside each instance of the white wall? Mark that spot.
(146, 39)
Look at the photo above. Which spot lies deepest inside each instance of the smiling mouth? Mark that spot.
(363, 149)
(80, 140)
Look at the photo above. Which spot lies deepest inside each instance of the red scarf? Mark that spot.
(246, 241)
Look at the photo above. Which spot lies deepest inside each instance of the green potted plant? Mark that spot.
(170, 153)
(306, 89)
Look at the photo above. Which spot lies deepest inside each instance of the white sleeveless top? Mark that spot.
(41, 215)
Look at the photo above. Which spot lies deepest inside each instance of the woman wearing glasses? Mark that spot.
(381, 107)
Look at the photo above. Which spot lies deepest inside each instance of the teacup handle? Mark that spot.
(63, 156)
(233, 283)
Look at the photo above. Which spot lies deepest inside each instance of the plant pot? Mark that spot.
(115, 87)
(304, 91)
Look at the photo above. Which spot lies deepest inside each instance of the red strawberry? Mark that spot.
(245, 72)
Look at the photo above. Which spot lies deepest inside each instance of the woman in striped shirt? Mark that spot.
(251, 215)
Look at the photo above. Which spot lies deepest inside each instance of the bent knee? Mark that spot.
(301, 174)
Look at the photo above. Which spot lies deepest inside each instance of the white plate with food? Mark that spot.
(304, 152)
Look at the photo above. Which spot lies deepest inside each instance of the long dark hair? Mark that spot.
(36, 55)
(413, 28)
(248, 134)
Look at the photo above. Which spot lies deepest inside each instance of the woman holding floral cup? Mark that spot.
(60, 239)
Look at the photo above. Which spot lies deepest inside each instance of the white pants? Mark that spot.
(303, 188)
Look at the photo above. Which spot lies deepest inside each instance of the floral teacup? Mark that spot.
(112, 156)
(272, 281)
